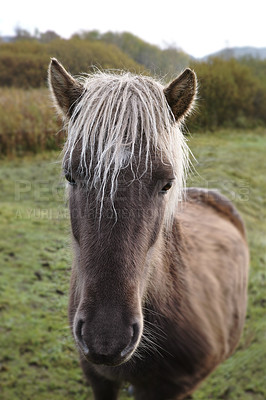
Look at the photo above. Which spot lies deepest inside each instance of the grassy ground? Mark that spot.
(38, 359)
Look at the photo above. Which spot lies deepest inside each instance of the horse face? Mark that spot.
(113, 245)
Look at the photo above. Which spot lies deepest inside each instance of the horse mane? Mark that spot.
(117, 115)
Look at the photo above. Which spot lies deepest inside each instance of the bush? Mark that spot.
(24, 63)
(229, 95)
(28, 122)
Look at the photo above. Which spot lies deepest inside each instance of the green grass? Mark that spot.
(38, 359)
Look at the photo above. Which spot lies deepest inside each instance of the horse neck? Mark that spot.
(167, 269)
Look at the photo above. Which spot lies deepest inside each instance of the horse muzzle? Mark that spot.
(107, 344)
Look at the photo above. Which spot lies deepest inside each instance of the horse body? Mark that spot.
(192, 332)
(157, 297)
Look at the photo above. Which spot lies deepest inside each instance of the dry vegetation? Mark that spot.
(27, 122)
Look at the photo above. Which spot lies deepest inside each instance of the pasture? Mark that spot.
(38, 358)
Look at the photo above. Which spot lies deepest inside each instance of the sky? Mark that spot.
(197, 27)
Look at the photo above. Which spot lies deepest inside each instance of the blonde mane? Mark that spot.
(117, 114)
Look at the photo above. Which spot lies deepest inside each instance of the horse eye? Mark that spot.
(69, 178)
(166, 187)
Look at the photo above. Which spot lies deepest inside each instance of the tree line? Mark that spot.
(231, 92)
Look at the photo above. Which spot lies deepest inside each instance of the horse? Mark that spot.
(158, 287)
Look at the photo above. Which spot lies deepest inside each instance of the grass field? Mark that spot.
(38, 360)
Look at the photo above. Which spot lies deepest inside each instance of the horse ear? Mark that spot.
(64, 88)
(181, 94)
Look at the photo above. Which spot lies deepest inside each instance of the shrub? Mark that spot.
(229, 93)
(28, 122)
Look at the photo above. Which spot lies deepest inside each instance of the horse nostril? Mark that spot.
(78, 330)
(79, 337)
(133, 342)
(136, 332)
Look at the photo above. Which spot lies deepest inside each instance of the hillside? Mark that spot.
(232, 92)
(24, 63)
(163, 62)
(24, 58)
(239, 52)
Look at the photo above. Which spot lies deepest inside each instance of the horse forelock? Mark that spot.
(120, 121)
